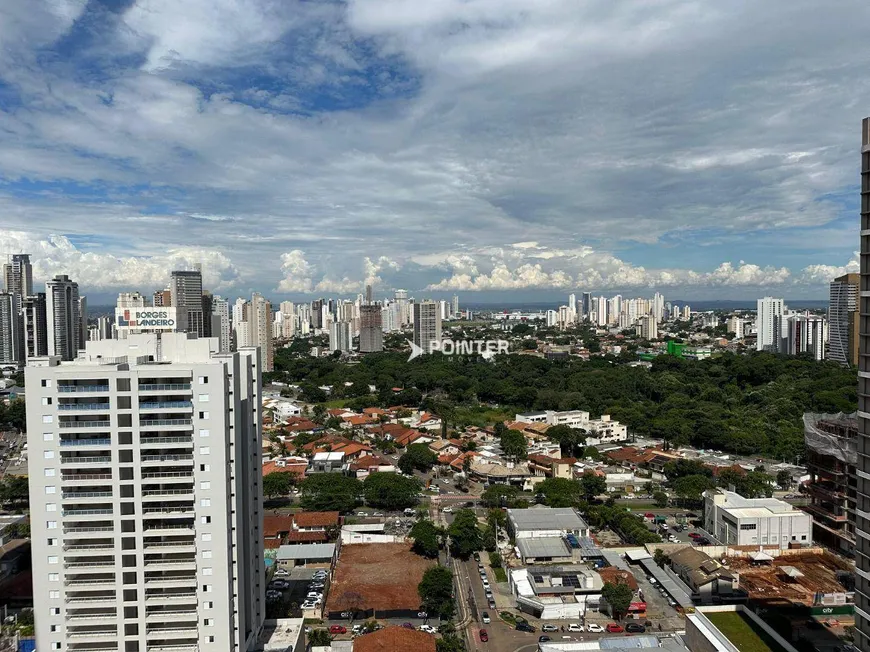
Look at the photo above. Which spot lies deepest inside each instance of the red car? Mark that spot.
(649, 515)
(484, 636)
(337, 629)
(694, 535)
(613, 628)
(407, 626)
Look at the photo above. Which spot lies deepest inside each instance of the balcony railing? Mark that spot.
(170, 387)
(144, 423)
(96, 598)
(171, 596)
(167, 492)
(104, 528)
(85, 424)
(174, 474)
(84, 546)
(165, 458)
(104, 580)
(84, 512)
(85, 476)
(83, 406)
(88, 564)
(87, 494)
(85, 442)
(82, 388)
(169, 526)
(168, 509)
(152, 441)
(165, 405)
(107, 459)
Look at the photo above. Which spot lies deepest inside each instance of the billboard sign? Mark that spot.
(146, 319)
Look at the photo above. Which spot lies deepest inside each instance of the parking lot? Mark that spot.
(288, 588)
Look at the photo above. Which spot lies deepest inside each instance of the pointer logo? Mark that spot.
(416, 351)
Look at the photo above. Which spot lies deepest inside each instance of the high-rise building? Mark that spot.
(843, 320)
(768, 320)
(601, 311)
(456, 313)
(586, 304)
(404, 309)
(317, 314)
(127, 300)
(35, 326)
(220, 323)
(260, 329)
(83, 321)
(861, 514)
(339, 336)
(427, 324)
(18, 275)
(10, 330)
(186, 289)
(145, 497)
(369, 295)
(647, 327)
(162, 298)
(735, 325)
(207, 311)
(371, 334)
(805, 334)
(62, 311)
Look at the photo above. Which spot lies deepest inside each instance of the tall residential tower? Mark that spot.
(843, 320)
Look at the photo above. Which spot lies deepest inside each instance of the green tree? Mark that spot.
(465, 535)
(560, 492)
(277, 484)
(592, 485)
(618, 596)
(660, 498)
(417, 457)
(319, 638)
(570, 440)
(449, 643)
(391, 491)
(513, 445)
(499, 495)
(425, 535)
(783, 479)
(330, 492)
(690, 488)
(660, 558)
(436, 592)
(495, 560)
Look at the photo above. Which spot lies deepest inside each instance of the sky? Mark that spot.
(490, 148)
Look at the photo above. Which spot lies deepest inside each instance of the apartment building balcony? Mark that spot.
(171, 597)
(168, 441)
(159, 529)
(150, 495)
(86, 460)
(102, 406)
(87, 647)
(82, 583)
(168, 476)
(92, 616)
(169, 546)
(828, 492)
(81, 388)
(74, 546)
(84, 424)
(170, 615)
(165, 424)
(165, 406)
(180, 581)
(89, 563)
(90, 599)
(176, 510)
(161, 460)
(164, 388)
(182, 631)
(91, 634)
(184, 647)
(79, 497)
(87, 514)
(69, 477)
(89, 530)
(832, 514)
(184, 564)
(85, 441)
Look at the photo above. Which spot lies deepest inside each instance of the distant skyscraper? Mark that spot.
(162, 298)
(404, 312)
(128, 300)
(260, 330)
(207, 308)
(858, 515)
(317, 314)
(83, 321)
(768, 320)
(805, 334)
(62, 308)
(371, 334)
(10, 330)
(339, 336)
(186, 290)
(586, 304)
(456, 312)
(368, 293)
(220, 323)
(35, 326)
(601, 311)
(843, 320)
(427, 324)
(18, 275)
(647, 327)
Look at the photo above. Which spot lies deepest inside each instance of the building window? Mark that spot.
(803, 537)
(54, 595)
(205, 520)
(208, 621)
(55, 645)
(47, 436)
(203, 450)
(51, 490)
(206, 554)
(47, 418)
(208, 605)
(51, 525)
(206, 571)
(46, 382)
(206, 588)
(54, 611)
(203, 380)
(747, 526)
(52, 542)
(54, 628)
(54, 577)
(49, 455)
(205, 502)
(51, 507)
(203, 398)
(46, 400)
(52, 559)
(205, 484)
(49, 473)
(203, 415)
(206, 536)
(204, 432)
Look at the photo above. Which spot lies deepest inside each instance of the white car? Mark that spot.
(447, 510)
(594, 627)
(428, 629)
(576, 627)
(549, 628)
(309, 605)
(281, 572)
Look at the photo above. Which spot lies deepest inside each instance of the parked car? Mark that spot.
(595, 627)
(282, 572)
(273, 595)
(549, 628)
(447, 510)
(309, 605)
(694, 535)
(477, 556)
(613, 628)
(576, 627)
(407, 626)
(484, 636)
(525, 627)
(485, 618)
(544, 639)
(492, 604)
(337, 629)
(428, 629)
(357, 629)
(635, 628)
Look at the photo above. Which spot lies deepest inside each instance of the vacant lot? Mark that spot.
(379, 576)
(743, 633)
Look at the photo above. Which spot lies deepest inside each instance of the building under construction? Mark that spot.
(831, 442)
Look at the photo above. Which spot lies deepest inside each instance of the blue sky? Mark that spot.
(492, 148)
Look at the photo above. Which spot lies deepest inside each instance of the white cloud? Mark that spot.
(820, 274)
(297, 272)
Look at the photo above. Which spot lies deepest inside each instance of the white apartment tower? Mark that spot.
(220, 323)
(768, 323)
(186, 289)
(427, 324)
(260, 329)
(146, 507)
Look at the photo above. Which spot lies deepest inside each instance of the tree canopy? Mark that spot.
(465, 535)
(513, 445)
(391, 491)
(417, 457)
(425, 535)
(500, 495)
(618, 596)
(559, 492)
(571, 440)
(277, 484)
(436, 592)
(325, 492)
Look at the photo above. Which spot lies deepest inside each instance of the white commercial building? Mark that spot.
(736, 520)
(768, 322)
(599, 431)
(146, 508)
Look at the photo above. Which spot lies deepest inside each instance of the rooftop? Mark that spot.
(307, 551)
(281, 634)
(392, 639)
(544, 547)
(546, 518)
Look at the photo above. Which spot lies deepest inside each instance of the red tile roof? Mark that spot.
(297, 469)
(306, 537)
(360, 420)
(274, 526)
(395, 639)
(316, 519)
(271, 544)
(369, 462)
(373, 411)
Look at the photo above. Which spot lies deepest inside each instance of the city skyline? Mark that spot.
(298, 149)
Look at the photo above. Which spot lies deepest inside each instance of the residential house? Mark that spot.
(366, 465)
(709, 580)
(550, 467)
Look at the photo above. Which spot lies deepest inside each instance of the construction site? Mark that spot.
(809, 579)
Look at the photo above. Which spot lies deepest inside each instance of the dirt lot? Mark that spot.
(380, 576)
(771, 583)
